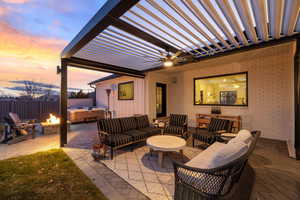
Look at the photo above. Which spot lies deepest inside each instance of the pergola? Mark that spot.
(131, 37)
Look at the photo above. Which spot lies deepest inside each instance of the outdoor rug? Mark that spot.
(141, 170)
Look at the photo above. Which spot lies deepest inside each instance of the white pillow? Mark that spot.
(227, 153)
(202, 160)
(244, 136)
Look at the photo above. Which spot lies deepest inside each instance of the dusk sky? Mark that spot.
(32, 36)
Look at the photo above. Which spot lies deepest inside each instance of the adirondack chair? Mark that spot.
(18, 130)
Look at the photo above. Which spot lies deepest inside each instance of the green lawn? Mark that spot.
(46, 175)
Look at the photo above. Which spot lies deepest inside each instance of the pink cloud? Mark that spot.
(3, 11)
(28, 57)
(23, 54)
(16, 1)
(19, 44)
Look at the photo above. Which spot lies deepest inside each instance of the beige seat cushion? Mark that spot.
(202, 160)
(244, 136)
(218, 154)
(227, 154)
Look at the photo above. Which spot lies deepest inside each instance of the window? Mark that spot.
(224, 90)
(126, 91)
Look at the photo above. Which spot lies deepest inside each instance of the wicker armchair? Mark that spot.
(212, 133)
(218, 183)
(177, 125)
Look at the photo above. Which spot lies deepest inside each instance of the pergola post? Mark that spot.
(297, 98)
(63, 103)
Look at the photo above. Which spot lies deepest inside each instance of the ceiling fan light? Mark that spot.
(168, 63)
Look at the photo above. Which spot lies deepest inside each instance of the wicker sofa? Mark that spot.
(120, 132)
(215, 173)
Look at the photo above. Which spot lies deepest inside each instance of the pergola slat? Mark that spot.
(149, 30)
(297, 29)
(244, 11)
(170, 27)
(98, 45)
(276, 11)
(292, 9)
(260, 15)
(133, 39)
(231, 18)
(179, 11)
(130, 46)
(215, 16)
(113, 45)
(120, 24)
(108, 48)
(130, 42)
(163, 31)
(197, 13)
(91, 52)
(179, 24)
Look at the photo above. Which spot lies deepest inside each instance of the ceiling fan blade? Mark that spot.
(151, 61)
(156, 65)
(178, 53)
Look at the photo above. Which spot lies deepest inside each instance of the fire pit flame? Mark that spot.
(53, 120)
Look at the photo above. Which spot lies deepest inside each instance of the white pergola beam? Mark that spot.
(128, 45)
(292, 9)
(179, 24)
(169, 27)
(113, 45)
(260, 15)
(298, 25)
(197, 13)
(244, 11)
(231, 18)
(131, 38)
(190, 21)
(138, 45)
(276, 11)
(207, 5)
(163, 31)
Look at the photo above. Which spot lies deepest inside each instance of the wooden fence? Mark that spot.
(29, 109)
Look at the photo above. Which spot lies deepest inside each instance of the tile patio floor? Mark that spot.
(277, 176)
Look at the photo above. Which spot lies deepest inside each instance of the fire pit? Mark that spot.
(52, 125)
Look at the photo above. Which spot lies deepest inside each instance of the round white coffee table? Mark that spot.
(165, 143)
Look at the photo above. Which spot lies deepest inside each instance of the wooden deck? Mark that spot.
(277, 175)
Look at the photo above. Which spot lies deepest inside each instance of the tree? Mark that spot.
(48, 92)
(79, 95)
(31, 89)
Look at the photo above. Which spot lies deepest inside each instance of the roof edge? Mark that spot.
(106, 78)
(100, 21)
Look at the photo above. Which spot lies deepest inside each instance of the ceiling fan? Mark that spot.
(169, 60)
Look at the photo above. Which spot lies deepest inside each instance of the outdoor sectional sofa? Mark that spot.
(120, 132)
(215, 172)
